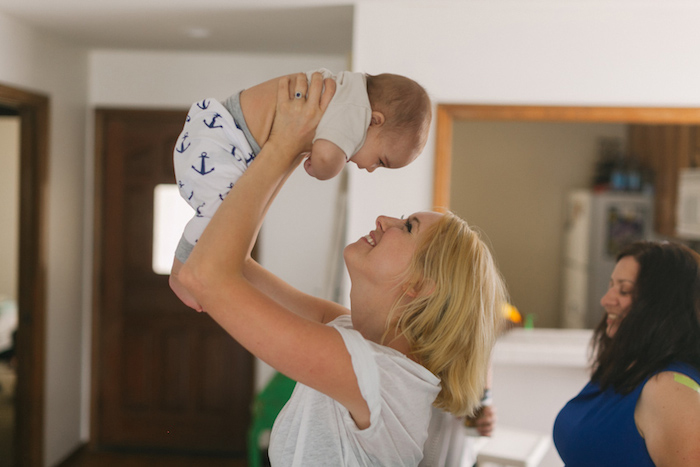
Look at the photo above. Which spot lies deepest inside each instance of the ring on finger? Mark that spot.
(297, 95)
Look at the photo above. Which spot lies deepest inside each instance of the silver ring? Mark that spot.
(297, 95)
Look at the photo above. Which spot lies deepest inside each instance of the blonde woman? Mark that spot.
(425, 302)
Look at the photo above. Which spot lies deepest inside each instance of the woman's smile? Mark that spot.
(370, 239)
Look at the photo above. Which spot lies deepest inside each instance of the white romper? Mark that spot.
(215, 146)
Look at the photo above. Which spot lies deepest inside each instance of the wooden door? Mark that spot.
(166, 377)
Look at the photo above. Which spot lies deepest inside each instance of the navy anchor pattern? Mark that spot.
(182, 148)
(245, 159)
(180, 186)
(183, 145)
(205, 175)
(223, 195)
(203, 170)
(213, 123)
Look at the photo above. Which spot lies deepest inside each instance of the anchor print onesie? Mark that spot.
(211, 154)
(215, 147)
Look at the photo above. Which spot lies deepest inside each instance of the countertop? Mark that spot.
(544, 347)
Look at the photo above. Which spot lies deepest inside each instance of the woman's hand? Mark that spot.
(486, 421)
(300, 107)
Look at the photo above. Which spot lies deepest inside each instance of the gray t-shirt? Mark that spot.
(314, 430)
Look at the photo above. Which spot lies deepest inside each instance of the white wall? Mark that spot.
(296, 235)
(616, 52)
(43, 64)
(177, 79)
(9, 207)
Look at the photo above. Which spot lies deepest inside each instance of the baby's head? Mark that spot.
(398, 131)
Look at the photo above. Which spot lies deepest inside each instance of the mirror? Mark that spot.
(508, 169)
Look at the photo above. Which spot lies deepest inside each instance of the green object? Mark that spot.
(266, 406)
(685, 381)
(529, 321)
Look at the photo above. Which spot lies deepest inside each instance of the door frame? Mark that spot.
(33, 110)
(447, 114)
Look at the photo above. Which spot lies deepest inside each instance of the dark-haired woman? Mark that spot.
(642, 405)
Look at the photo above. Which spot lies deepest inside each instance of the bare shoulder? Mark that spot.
(668, 417)
(671, 385)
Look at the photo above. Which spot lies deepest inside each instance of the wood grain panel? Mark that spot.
(168, 378)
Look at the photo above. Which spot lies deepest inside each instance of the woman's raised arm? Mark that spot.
(215, 273)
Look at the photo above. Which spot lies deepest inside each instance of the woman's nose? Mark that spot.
(384, 222)
(607, 299)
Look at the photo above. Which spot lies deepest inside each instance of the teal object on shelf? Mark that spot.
(266, 406)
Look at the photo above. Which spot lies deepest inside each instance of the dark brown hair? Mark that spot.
(404, 103)
(663, 323)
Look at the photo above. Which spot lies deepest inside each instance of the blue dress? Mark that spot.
(596, 428)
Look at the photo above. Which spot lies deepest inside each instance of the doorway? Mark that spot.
(31, 112)
(9, 213)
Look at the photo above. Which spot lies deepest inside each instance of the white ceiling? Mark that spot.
(254, 26)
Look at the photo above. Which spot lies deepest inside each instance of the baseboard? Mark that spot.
(72, 458)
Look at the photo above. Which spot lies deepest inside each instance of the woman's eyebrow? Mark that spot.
(414, 219)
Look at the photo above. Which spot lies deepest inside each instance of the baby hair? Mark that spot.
(404, 103)
(452, 323)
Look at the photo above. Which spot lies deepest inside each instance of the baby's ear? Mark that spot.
(423, 288)
(378, 118)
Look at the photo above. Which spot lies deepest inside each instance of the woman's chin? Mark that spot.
(612, 329)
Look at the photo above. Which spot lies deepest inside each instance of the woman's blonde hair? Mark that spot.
(452, 322)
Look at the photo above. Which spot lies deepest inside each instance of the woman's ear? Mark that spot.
(377, 119)
(421, 289)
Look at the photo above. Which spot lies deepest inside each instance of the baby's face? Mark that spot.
(385, 150)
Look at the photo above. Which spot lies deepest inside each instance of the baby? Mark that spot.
(372, 121)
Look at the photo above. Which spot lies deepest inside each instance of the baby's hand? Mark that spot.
(308, 166)
(325, 161)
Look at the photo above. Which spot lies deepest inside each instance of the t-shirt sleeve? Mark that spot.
(364, 364)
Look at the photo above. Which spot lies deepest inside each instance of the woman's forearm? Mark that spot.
(296, 301)
(227, 240)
